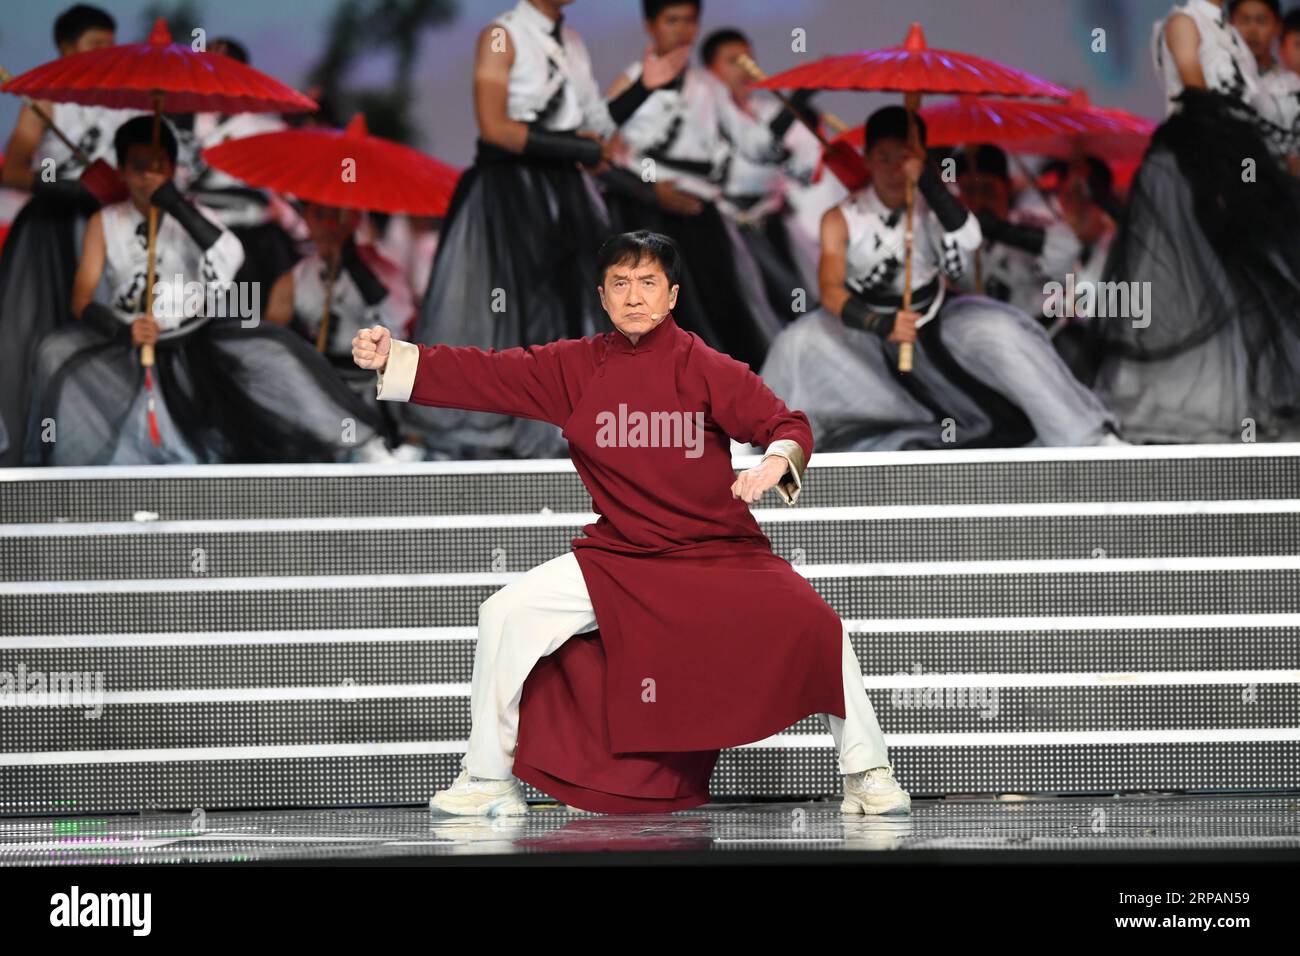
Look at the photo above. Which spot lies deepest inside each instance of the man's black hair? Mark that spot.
(1274, 5)
(986, 158)
(234, 49)
(890, 122)
(138, 131)
(652, 8)
(717, 39)
(633, 247)
(1291, 22)
(76, 20)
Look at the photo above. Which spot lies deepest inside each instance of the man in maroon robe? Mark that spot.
(707, 638)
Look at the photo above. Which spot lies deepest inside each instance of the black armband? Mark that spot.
(783, 120)
(628, 102)
(372, 290)
(1029, 238)
(948, 208)
(856, 314)
(168, 198)
(547, 144)
(105, 320)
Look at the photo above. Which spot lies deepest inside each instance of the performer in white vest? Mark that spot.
(514, 262)
(1210, 232)
(225, 386)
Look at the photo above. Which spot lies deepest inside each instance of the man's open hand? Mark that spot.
(751, 484)
(370, 348)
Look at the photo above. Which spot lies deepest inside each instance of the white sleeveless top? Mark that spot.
(697, 122)
(1229, 67)
(747, 176)
(90, 127)
(551, 83)
(126, 243)
(875, 254)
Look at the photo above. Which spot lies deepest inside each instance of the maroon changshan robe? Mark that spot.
(706, 638)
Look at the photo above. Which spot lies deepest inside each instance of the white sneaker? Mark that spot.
(874, 791)
(1110, 438)
(476, 797)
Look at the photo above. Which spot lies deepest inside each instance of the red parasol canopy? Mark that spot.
(914, 68)
(128, 76)
(1059, 130)
(1126, 143)
(313, 164)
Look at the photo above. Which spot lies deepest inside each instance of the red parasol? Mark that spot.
(1124, 143)
(313, 164)
(913, 69)
(347, 168)
(128, 77)
(143, 76)
(1059, 130)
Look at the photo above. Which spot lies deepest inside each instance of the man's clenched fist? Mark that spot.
(370, 348)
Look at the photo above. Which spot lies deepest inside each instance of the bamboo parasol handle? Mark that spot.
(912, 102)
(834, 122)
(146, 350)
(82, 157)
(322, 335)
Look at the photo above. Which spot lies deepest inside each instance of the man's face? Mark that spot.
(637, 295)
(1289, 51)
(330, 226)
(675, 26)
(985, 191)
(1075, 197)
(885, 160)
(1257, 26)
(726, 66)
(142, 178)
(92, 39)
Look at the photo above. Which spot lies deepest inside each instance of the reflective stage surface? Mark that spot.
(1141, 827)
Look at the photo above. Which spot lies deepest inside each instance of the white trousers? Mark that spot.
(532, 616)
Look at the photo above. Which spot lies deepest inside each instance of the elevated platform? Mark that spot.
(1083, 622)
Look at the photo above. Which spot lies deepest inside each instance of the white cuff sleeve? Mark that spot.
(398, 377)
(791, 482)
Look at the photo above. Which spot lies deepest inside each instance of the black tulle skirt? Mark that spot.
(515, 266)
(222, 393)
(1220, 346)
(36, 271)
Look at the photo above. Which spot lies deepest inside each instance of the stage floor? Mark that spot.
(1136, 828)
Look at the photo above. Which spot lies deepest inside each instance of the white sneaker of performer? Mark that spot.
(874, 791)
(473, 796)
